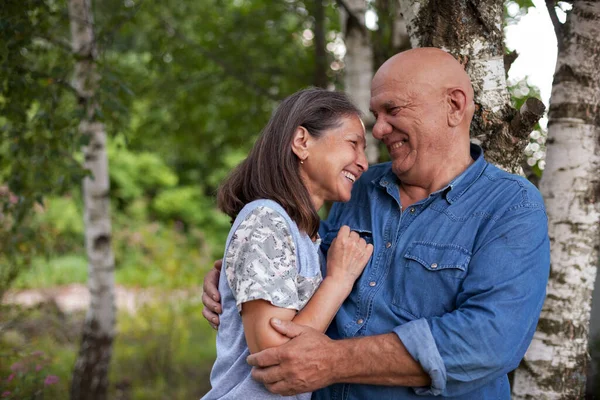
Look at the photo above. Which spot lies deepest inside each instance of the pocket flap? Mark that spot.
(436, 256)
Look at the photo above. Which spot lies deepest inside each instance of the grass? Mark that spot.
(164, 351)
(55, 271)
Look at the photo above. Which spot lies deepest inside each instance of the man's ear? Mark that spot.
(301, 143)
(457, 106)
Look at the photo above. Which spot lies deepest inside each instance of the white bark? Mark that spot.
(90, 376)
(555, 364)
(358, 68)
(472, 34)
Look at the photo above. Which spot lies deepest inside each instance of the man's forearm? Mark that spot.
(376, 360)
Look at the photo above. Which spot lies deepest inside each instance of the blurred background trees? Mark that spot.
(184, 89)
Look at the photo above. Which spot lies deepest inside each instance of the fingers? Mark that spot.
(287, 328)
(218, 264)
(210, 304)
(268, 375)
(211, 285)
(265, 358)
(212, 318)
(281, 387)
(344, 231)
(367, 253)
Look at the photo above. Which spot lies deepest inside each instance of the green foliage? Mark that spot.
(178, 346)
(54, 271)
(134, 175)
(163, 351)
(37, 350)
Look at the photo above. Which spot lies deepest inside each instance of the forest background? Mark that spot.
(184, 89)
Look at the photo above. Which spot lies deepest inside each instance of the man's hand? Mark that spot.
(210, 295)
(304, 364)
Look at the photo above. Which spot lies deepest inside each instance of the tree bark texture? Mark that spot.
(555, 364)
(471, 31)
(358, 69)
(90, 375)
(321, 65)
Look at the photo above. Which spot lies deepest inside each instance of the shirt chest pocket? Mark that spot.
(329, 236)
(430, 278)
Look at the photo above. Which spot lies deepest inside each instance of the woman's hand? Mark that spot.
(347, 257)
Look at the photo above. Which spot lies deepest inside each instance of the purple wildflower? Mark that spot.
(51, 380)
(10, 377)
(18, 367)
(6, 394)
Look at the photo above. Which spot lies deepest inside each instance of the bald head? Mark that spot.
(426, 69)
(428, 66)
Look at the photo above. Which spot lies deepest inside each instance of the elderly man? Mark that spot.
(451, 297)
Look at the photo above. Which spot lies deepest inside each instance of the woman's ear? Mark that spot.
(300, 143)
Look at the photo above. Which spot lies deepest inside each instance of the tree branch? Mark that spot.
(217, 60)
(558, 28)
(509, 59)
(41, 75)
(528, 115)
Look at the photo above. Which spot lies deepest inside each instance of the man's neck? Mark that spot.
(412, 193)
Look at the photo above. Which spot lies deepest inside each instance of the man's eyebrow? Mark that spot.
(386, 106)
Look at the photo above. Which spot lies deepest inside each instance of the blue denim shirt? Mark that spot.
(460, 277)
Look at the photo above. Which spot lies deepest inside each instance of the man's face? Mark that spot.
(410, 121)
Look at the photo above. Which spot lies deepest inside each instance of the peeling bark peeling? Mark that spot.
(555, 364)
(358, 68)
(472, 32)
(90, 375)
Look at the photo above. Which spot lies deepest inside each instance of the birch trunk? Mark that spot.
(472, 32)
(358, 67)
(555, 364)
(90, 375)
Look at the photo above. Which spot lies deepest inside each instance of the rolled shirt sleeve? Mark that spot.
(497, 308)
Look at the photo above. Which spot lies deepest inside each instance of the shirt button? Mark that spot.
(412, 210)
(434, 265)
(388, 245)
(360, 321)
(372, 283)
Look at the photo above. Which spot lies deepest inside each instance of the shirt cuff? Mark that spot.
(418, 340)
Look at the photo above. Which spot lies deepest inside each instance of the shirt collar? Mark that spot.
(463, 182)
(458, 186)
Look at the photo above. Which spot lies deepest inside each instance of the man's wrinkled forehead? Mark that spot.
(389, 89)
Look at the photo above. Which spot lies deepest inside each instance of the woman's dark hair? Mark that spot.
(272, 170)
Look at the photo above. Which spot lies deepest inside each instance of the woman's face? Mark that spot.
(335, 161)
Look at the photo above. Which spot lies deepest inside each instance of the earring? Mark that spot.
(301, 161)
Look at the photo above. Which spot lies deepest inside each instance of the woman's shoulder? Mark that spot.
(264, 214)
(263, 207)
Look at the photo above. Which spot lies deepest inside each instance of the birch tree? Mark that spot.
(472, 32)
(555, 365)
(366, 50)
(358, 65)
(90, 376)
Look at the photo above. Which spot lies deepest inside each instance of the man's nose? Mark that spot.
(381, 128)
